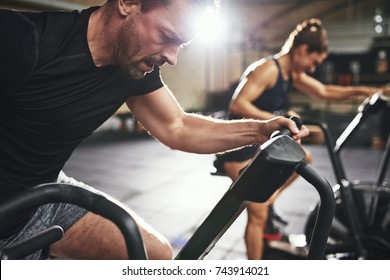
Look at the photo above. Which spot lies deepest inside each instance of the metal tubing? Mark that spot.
(214, 226)
(326, 210)
(267, 172)
(86, 197)
(384, 165)
(33, 244)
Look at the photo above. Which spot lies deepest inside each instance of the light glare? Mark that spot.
(211, 27)
(378, 29)
(378, 18)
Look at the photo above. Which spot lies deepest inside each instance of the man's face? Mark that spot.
(153, 38)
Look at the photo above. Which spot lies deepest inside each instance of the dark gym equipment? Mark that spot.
(92, 200)
(277, 159)
(361, 227)
(268, 171)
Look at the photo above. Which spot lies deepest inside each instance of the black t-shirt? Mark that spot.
(52, 96)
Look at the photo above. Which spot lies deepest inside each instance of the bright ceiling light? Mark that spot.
(211, 28)
(378, 18)
(378, 29)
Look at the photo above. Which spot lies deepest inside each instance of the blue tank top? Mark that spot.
(275, 99)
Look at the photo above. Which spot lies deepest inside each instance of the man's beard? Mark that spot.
(127, 46)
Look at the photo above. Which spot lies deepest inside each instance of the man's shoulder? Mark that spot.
(14, 19)
(60, 34)
(18, 48)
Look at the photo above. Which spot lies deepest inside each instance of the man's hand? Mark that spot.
(277, 123)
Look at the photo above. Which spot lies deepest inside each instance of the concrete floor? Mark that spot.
(174, 191)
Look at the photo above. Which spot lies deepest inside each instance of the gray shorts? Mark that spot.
(64, 215)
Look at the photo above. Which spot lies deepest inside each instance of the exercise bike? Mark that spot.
(275, 162)
(361, 226)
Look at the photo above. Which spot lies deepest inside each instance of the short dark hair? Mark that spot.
(309, 32)
(147, 5)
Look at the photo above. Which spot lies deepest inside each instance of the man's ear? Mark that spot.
(127, 6)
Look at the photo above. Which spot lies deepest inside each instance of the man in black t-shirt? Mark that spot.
(63, 74)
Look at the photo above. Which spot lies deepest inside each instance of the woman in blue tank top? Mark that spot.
(263, 94)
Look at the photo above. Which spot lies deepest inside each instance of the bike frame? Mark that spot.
(86, 197)
(368, 107)
(275, 162)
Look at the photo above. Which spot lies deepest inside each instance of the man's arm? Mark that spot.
(162, 116)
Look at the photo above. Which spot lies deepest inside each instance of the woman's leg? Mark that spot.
(258, 212)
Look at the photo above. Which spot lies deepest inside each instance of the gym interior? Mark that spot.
(174, 191)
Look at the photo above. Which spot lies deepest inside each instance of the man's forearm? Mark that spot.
(204, 135)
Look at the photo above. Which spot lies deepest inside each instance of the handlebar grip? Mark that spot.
(83, 196)
(285, 130)
(32, 244)
(374, 103)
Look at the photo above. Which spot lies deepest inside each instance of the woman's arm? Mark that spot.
(315, 88)
(252, 87)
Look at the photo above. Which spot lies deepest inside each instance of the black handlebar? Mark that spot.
(88, 198)
(285, 130)
(32, 244)
(369, 106)
(325, 213)
(270, 168)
